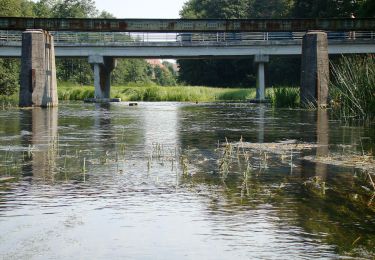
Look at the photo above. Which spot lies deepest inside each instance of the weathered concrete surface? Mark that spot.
(38, 70)
(103, 66)
(315, 69)
(260, 60)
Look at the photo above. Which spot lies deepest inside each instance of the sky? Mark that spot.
(141, 8)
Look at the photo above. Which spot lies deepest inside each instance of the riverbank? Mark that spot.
(158, 93)
(279, 97)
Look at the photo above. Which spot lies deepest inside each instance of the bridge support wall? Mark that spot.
(103, 66)
(315, 69)
(260, 60)
(38, 70)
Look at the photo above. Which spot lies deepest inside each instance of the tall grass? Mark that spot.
(157, 93)
(352, 88)
(284, 97)
(7, 102)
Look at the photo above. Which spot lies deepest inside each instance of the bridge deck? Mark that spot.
(187, 25)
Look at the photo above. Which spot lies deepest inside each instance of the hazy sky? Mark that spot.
(141, 8)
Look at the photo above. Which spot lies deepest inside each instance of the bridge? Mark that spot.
(103, 40)
(187, 45)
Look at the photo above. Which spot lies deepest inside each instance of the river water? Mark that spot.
(182, 181)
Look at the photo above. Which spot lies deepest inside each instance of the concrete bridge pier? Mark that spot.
(315, 69)
(260, 60)
(38, 70)
(103, 66)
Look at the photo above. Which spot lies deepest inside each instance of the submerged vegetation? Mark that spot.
(353, 87)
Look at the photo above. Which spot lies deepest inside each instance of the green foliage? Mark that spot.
(74, 8)
(325, 8)
(10, 7)
(9, 69)
(76, 70)
(231, 9)
(284, 97)
(353, 87)
(131, 70)
(367, 8)
(164, 77)
(150, 92)
(238, 72)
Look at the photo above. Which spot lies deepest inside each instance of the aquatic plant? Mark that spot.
(352, 88)
(284, 97)
(151, 92)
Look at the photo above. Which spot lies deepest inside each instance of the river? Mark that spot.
(182, 181)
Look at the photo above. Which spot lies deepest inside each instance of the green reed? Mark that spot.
(132, 92)
(284, 97)
(352, 88)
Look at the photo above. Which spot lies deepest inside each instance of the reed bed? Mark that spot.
(287, 97)
(158, 93)
(352, 88)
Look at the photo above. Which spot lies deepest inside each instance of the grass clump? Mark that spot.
(284, 97)
(7, 102)
(352, 88)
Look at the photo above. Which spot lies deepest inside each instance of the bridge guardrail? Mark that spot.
(181, 38)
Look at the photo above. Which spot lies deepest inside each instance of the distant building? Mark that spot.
(155, 62)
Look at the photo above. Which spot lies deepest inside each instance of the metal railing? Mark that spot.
(180, 39)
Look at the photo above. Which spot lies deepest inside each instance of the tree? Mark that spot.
(9, 70)
(325, 8)
(131, 70)
(270, 8)
(43, 8)
(74, 9)
(164, 77)
(367, 8)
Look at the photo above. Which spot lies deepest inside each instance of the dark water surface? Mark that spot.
(159, 181)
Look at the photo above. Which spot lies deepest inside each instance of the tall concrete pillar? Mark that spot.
(38, 70)
(315, 69)
(103, 66)
(260, 60)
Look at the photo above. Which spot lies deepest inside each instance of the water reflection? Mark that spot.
(262, 111)
(144, 206)
(104, 127)
(322, 142)
(41, 126)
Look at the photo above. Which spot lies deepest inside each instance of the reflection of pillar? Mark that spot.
(322, 142)
(104, 125)
(261, 82)
(44, 139)
(103, 67)
(38, 70)
(315, 69)
(261, 124)
(42, 124)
